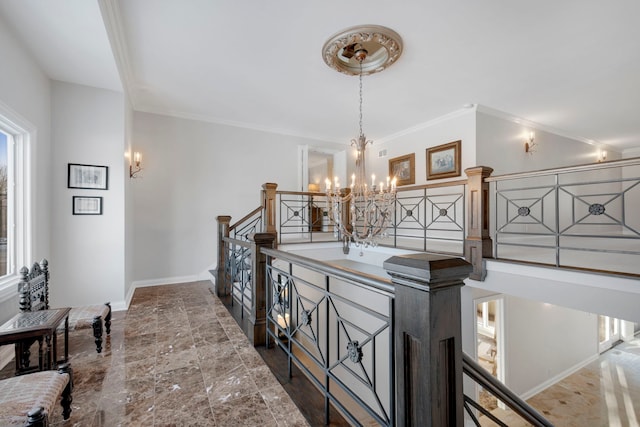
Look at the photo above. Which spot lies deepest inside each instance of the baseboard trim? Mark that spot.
(163, 282)
(562, 375)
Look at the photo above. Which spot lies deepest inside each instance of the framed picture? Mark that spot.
(444, 161)
(88, 176)
(87, 205)
(403, 168)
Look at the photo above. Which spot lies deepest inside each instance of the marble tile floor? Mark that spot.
(605, 393)
(178, 358)
(175, 358)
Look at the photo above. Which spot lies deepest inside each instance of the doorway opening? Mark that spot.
(608, 332)
(489, 343)
(320, 167)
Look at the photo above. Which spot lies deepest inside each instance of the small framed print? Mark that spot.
(403, 168)
(87, 205)
(444, 161)
(88, 176)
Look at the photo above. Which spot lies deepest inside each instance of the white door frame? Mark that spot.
(500, 334)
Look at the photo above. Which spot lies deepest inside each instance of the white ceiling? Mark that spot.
(568, 65)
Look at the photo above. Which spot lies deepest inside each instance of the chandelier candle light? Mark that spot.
(362, 213)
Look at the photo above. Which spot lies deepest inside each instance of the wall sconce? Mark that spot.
(135, 167)
(602, 155)
(528, 145)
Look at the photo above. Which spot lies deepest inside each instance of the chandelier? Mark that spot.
(362, 212)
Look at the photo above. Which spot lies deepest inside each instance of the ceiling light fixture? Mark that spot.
(361, 212)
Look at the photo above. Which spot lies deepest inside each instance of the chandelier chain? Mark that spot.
(360, 77)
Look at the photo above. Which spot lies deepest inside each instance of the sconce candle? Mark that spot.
(135, 167)
(529, 144)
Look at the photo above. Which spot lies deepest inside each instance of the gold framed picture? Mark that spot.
(403, 168)
(443, 161)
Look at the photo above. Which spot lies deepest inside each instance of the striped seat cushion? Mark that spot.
(18, 395)
(82, 317)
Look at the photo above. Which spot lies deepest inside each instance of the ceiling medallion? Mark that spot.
(383, 45)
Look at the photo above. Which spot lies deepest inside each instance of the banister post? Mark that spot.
(269, 206)
(428, 339)
(478, 244)
(222, 285)
(256, 330)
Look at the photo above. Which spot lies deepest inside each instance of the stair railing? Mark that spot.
(479, 375)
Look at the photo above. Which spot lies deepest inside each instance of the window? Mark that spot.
(16, 136)
(4, 220)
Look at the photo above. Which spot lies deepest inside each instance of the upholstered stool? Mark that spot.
(91, 316)
(29, 400)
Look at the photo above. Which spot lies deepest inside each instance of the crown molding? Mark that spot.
(112, 18)
(452, 115)
(631, 152)
(528, 123)
(243, 125)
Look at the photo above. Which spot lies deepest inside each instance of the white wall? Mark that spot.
(543, 341)
(195, 171)
(87, 251)
(458, 126)
(500, 145)
(129, 222)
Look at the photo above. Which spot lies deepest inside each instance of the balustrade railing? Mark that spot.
(475, 410)
(343, 327)
(426, 218)
(578, 217)
(429, 218)
(250, 224)
(238, 272)
(337, 327)
(303, 217)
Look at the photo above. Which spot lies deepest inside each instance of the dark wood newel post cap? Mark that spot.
(262, 238)
(224, 218)
(427, 271)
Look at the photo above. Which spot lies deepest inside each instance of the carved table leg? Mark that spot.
(97, 332)
(49, 351)
(36, 417)
(107, 320)
(67, 398)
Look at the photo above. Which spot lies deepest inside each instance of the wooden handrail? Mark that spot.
(357, 277)
(301, 193)
(478, 374)
(432, 185)
(242, 243)
(399, 189)
(246, 217)
(569, 169)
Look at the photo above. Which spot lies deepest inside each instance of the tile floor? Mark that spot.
(604, 393)
(175, 358)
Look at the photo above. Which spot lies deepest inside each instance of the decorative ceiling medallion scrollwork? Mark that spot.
(384, 47)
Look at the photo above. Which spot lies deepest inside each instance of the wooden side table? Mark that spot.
(25, 328)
